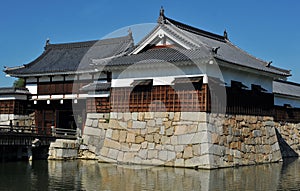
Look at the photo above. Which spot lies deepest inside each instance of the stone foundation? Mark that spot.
(290, 134)
(181, 139)
(63, 149)
(20, 120)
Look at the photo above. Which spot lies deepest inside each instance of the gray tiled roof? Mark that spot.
(286, 88)
(71, 57)
(159, 56)
(96, 86)
(226, 50)
(12, 90)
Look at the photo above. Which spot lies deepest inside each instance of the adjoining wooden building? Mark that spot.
(54, 79)
(14, 106)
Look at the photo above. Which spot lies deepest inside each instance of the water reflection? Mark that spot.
(91, 175)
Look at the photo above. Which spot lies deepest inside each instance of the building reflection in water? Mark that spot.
(101, 176)
(91, 175)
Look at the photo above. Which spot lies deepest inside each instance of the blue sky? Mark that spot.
(267, 29)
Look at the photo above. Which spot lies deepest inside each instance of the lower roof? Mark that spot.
(286, 88)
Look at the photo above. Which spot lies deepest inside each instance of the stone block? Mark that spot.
(181, 123)
(196, 149)
(185, 139)
(151, 145)
(173, 140)
(104, 151)
(144, 145)
(171, 155)
(152, 154)
(157, 138)
(85, 139)
(139, 139)
(115, 135)
(167, 124)
(92, 131)
(256, 133)
(188, 152)
(176, 116)
(151, 123)
(138, 125)
(125, 147)
(158, 147)
(165, 140)
(123, 125)
(215, 138)
(141, 116)
(88, 122)
(194, 116)
(127, 116)
(129, 157)
(170, 131)
(120, 156)
(269, 123)
(130, 138)
(103, 125)
(134, 116)
(158, 121)
(149, 115)
(163, 155)
(179, 162)
(129, 124)
(171, 115)
(143, 153)
(149, 138)
(180, 130)
(160, 114)
(135, 147)
(200, 161)
(206, 148)
(96, 116)
(120, 115)
(200, 137)
(179, 148)
(152, 130)
(113, 115)
(108, 133)
(202, 126)
(114, 124)
(112, 144)
(113, 154)
(157, 162)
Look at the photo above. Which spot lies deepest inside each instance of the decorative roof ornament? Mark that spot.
(161, 19)
(215, 50)
(225, 34)
(129, 32)
(269, 64)
(47, 43)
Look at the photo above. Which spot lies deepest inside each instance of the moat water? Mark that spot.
(91, 175)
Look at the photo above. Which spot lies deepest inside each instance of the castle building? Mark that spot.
(176, 69)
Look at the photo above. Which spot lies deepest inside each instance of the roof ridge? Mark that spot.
(88, 43)
(288, 82)
(195, 30)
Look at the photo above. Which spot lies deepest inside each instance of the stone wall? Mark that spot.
(290, 134)
(182, 139)
(21, 120)
(242, 140)
(63, 149)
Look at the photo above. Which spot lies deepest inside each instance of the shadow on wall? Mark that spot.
(285, 149)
